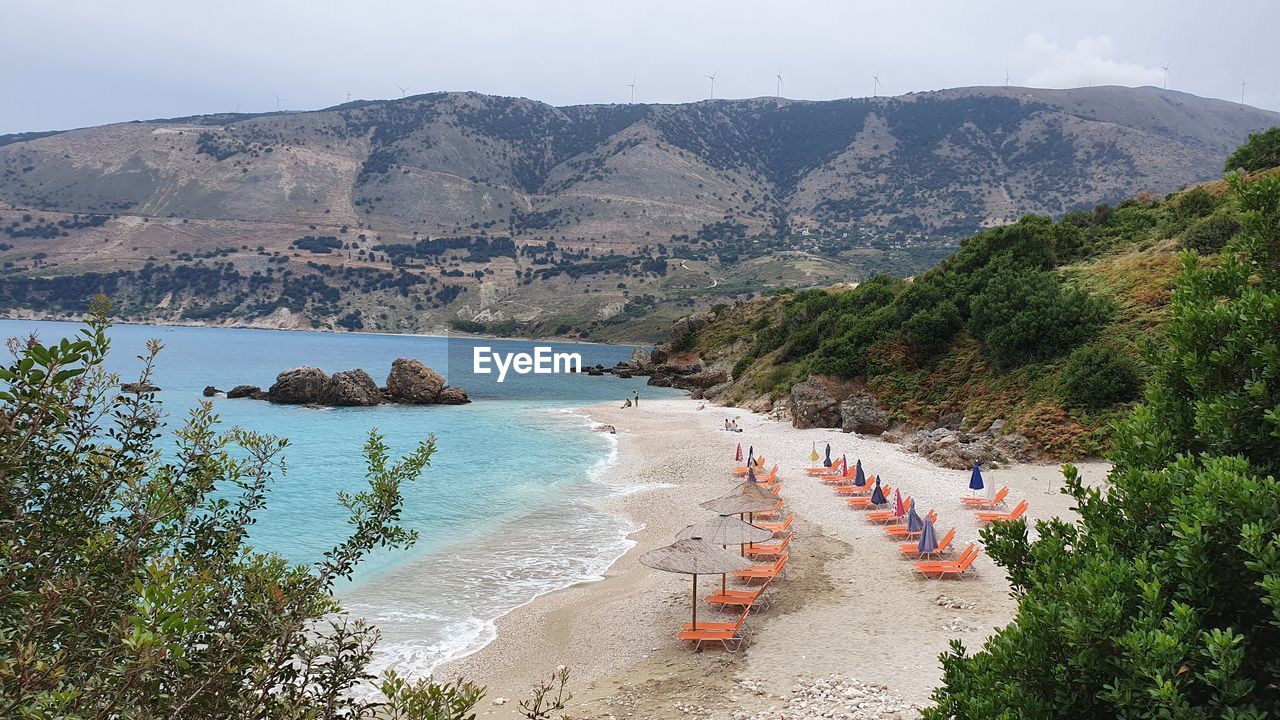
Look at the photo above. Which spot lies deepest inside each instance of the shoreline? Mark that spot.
(615, 633)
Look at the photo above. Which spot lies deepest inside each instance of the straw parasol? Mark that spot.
(694, 556)
(747, 497)
(726, 530)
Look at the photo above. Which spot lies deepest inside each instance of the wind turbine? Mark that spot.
(778, 94)
(403, 91)
(273, 92)
(1006, 77)
(712, 78)
(632, 85)
(1165, 67)
(1242, 84)
(876, 91)
(348, 96)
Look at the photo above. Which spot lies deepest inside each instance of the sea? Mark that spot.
(510, 508)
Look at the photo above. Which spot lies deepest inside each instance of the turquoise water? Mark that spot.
(507, 510)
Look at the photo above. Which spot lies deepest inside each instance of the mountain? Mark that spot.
(508, 214)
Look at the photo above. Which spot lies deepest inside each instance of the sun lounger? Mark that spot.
(722, 625)
(884, 517)
(742, 598)
(1018, 511)
(849, 489)
(734, 636)
(764, 572)
(774, 548)
(902, 530)
(778, 528)
(958, 568)
(944, 546)
(862, 503)
(981, 502)
(744, 469)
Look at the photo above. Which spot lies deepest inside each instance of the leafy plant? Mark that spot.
(1098, 376)
(1260, 152)
(424, 699)
(548, 696)
(127, 585)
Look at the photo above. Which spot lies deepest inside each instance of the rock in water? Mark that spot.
(244, 391)
(453, 396)
(641, 360)
(413, 383)
(211, 391)
(862, 414)
(350, 388)
(139, 388)
(298, 386)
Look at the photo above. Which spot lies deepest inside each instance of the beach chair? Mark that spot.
(912, 548)
(778, 528)
(862, 503)
(902, 530)
(990, 517)
(850, 490)
(980, 502)
(764, 572)
(722, 625)
(734, 636)
(939, 569)
(742, 598)
(774, 548)
(744, 469)
(886, 517)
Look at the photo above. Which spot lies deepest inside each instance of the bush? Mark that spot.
(688, 340)
(740, 367)
(1211, 234)
(1024, 316)
(127, 587)
(1163, 599)
(1260, 152)
(1097, 376)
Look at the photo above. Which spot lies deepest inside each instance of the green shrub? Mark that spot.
(1027, 316)
(1211, 234)
(1097, 376)
(740, 367)
(687, 340)
(1260, 152)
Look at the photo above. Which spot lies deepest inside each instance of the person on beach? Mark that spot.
(637, 394)
(626, 403)
(727, 426)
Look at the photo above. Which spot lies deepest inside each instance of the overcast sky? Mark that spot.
(72, 63)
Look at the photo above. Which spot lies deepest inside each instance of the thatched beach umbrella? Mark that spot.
(726, 530)
(747, 497)
(694, 556)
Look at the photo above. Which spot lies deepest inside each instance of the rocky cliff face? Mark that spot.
(410, 383)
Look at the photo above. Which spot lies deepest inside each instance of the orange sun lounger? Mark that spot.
(778, 527)
(981, 502)
(764, 572)
(902, 530)
(774, 548)
(944, 545)
(849, 488)
(736, 634)
(1018, 510)
(721, 624)
(943, 568)
(862, 503)
(742, 598)
(885, 517)
(744, 469)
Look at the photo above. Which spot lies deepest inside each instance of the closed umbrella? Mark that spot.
(975, 478)
(860, 479)
(813, 454)
(899, 509)
(751, 474)
(844, 465)
(737, 456)
(827, 462)
(751, 454)
(928, 539)
(877, 494)
(694, 556)
(914, 522)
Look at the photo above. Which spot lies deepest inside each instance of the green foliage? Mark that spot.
(1163, 600)
(687, 340)
(1098, 376)
(1260, 152)
(424, 699)
(1027, 316)
(548, 696)
(1211, 234)
(127, 588)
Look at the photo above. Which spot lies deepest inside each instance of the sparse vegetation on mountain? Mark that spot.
(1261, 152)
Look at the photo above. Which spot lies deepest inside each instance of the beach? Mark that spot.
(850, 606)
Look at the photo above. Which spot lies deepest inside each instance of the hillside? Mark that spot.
(1027, 341)
(514, 216)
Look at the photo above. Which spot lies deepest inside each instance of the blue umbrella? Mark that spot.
(751, 474)
(827, 462)
(975, 480)
(914, 523)
(860, 479)
(751, 455)
(877, 495)
(928, 539)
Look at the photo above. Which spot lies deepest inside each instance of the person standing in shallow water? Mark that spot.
(637, 394)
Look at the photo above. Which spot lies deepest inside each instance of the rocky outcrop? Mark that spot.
(211, 391)
(349, 388)
(139, 387)
(862, 414)
(641, 360)
(450, 395)
(673, 375)
(813, 405)
(691, 323)
(246, 391)
(412, 383)
(298, 386)
(959, 450)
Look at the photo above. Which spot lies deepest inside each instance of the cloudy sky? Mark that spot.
(72, 63)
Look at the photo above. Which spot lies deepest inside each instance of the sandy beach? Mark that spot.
(850, 605)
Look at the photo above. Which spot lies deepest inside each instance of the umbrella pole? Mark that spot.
(695, 602)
